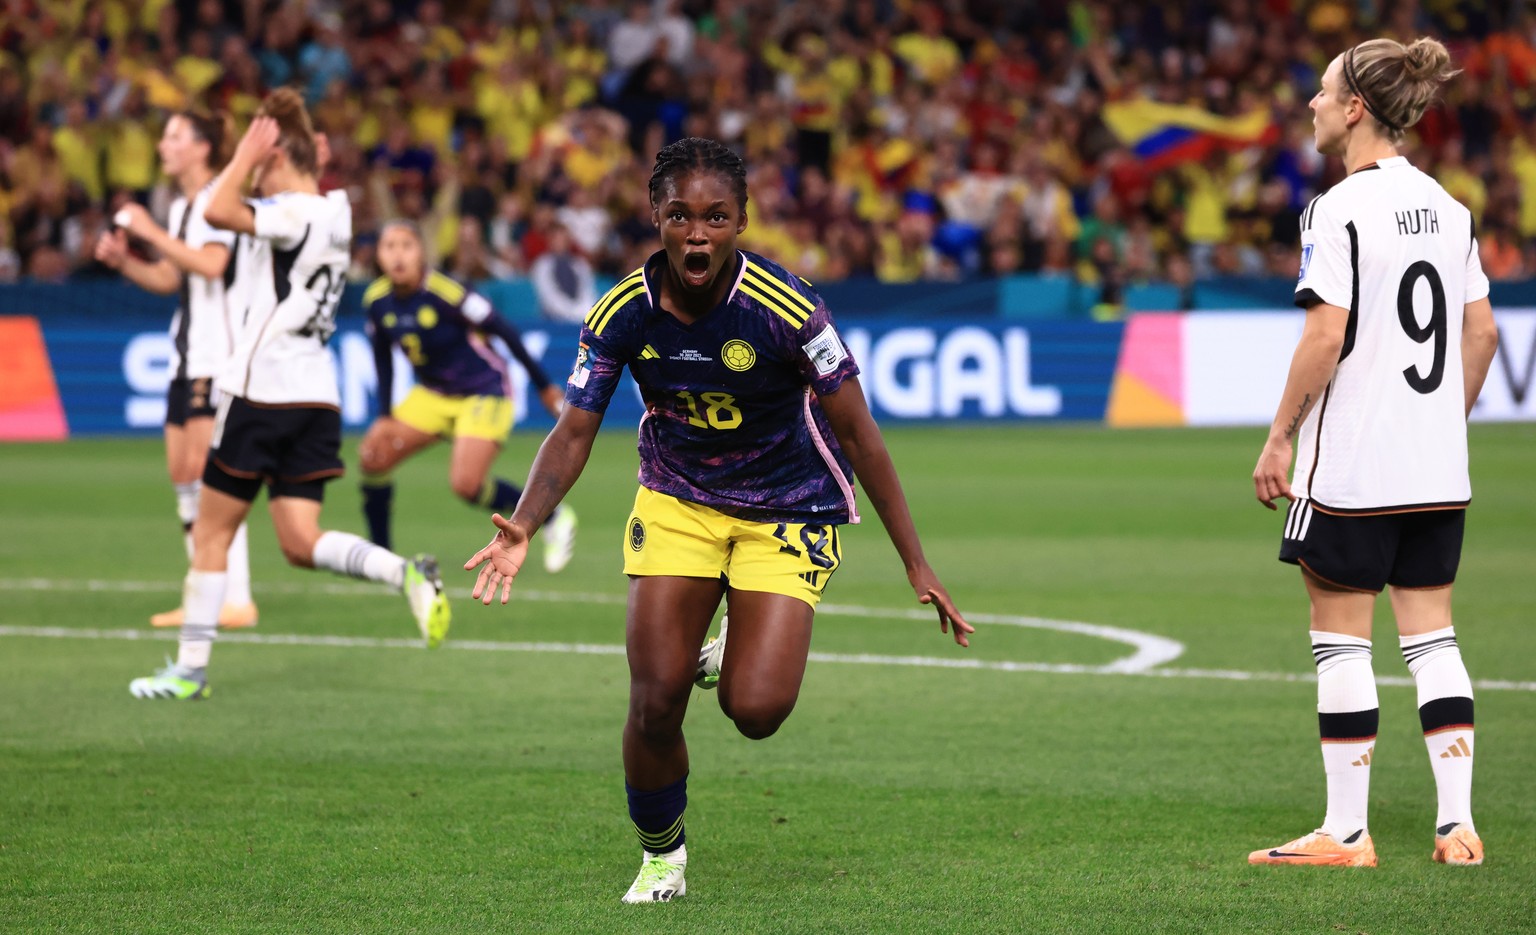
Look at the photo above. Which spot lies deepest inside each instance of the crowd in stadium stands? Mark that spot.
(890, 138)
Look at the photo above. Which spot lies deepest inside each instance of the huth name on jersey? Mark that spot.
(1417, 221)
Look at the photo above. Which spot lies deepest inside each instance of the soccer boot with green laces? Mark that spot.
(710, 657)
(660, 879)
(423, 589)
(171, 683)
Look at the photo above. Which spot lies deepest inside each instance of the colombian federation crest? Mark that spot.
(636, 534)
(738, 355)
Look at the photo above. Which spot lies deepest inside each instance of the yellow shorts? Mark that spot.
(488, 417)
(668, 536)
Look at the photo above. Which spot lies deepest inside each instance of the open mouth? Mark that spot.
(696, 268)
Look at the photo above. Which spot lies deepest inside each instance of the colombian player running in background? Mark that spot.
(462, 392)
(1398, 338)
(754, 429)
(279, 421)
(197, 263)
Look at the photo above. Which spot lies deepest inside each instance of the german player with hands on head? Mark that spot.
(279, 420)
(1398, 338)
(754, 429)
(197, 264)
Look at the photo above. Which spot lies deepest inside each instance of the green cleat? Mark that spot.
(423, 589)
(170, 684)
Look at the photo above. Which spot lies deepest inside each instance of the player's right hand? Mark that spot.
(503, 558)
(112, 248)
(259, 140)
(1269, 475)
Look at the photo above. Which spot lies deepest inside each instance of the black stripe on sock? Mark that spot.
(1348, 725)
(1412, 654)
(1440, 713)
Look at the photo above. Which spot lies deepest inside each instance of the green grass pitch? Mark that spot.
(382, 788)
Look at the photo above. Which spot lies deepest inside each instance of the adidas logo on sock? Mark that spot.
(1365, 758)
(1457, 749)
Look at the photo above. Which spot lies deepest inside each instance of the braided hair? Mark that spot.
(692, 153)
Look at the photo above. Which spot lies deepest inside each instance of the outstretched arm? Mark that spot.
(1312, 366)
(207, 261)
(555, 469)
(860, 438)
(159, 276)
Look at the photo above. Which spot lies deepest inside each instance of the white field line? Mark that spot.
(1150, 649)
(1118, 667)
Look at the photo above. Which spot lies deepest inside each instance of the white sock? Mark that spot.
(1347, 718)
(201, 597)
(356, 557)
(1445, 713)
(239, 568)
(186, 510)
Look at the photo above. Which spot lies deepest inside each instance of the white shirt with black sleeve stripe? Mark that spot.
(1399, 255)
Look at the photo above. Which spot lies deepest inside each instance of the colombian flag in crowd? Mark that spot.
(1164, 135)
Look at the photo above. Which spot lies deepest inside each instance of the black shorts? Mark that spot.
(190, 399)
(294, 450)
(1368, 552)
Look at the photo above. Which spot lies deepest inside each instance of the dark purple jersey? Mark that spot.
(732, 417)
(444, 330)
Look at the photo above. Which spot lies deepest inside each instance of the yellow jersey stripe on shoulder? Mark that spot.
(773, 305)
(376, 290)
(619, 302)
(445, 288)
(603, 304)
(792, 297)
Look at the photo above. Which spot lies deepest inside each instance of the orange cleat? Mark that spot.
(232, 617)
(1321, 849)
(1458, 845)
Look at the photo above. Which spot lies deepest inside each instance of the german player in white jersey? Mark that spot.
(1398, 338)
(196, 263)
(279, 421)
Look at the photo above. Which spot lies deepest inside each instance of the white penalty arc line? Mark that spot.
(1150, 650)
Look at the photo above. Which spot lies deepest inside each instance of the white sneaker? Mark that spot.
(660, 879)
(559, 539)
(710, 657)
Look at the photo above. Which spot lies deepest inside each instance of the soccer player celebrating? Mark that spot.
(462, 388)
(1398, 338)
(197, 264)
(279, 422)
(754, 428)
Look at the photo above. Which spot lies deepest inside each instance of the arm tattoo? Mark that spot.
(1301, 410)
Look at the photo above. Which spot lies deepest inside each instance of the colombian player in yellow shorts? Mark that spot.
(754, 430)
(462, 392)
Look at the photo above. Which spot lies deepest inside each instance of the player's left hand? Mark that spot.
(930, 591)
(503, 558)
(1269, 475)
(134, 218)
(553, 399)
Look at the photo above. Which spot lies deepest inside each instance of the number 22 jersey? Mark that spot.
(1390, 246)
(293, 271)
(732, 418)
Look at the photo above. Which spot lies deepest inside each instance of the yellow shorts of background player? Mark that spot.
(488, 417)
(668, 536)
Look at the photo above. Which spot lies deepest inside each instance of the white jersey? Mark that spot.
(200, 330)
(1390, 433)
(293, 271)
